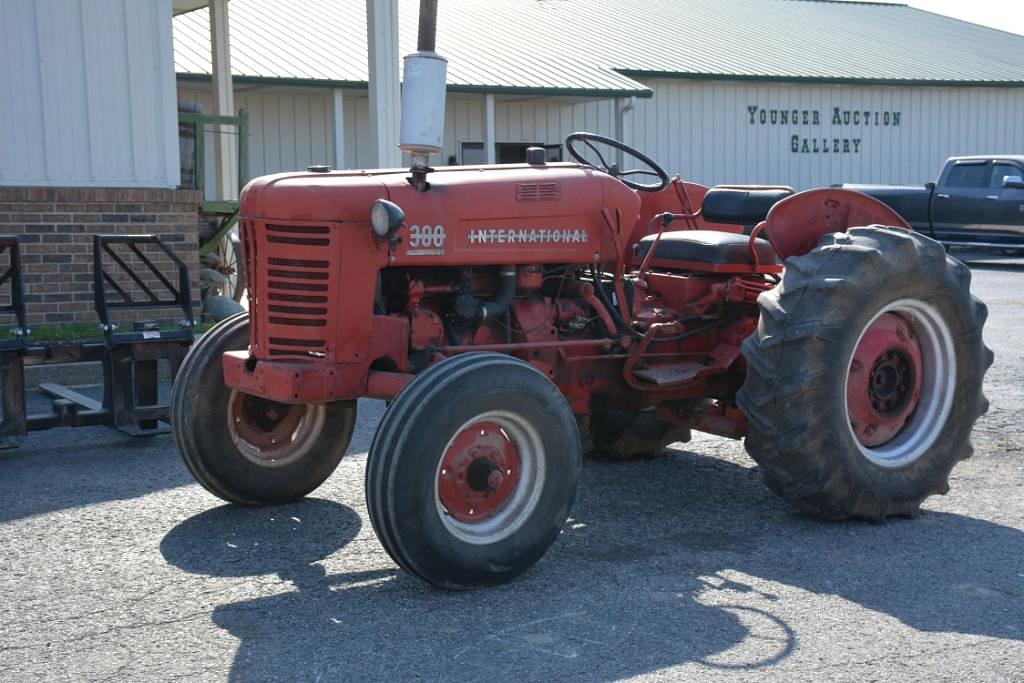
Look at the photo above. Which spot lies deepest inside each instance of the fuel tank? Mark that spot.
(479, 215)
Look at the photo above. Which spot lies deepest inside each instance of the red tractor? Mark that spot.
(516, 316)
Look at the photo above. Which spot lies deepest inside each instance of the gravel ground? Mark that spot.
(115, 565)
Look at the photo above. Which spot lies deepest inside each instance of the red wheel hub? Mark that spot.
(478, 472)
(264, 423)
(884, 382)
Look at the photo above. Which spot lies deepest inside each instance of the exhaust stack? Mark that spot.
(423, 96)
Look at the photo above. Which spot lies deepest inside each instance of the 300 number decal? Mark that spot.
(426, 236)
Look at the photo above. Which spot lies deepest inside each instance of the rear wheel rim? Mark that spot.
(272, 434)
(489, 478)
(228, 258)
(900, 382)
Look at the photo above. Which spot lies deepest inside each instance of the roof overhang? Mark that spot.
(825, 80)
(586, 93)
(183, 6)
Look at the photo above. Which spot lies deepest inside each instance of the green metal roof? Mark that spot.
(597, 47)
(324, 42)
(795, 40)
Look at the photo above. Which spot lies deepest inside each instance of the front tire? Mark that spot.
(245, 449)
(472, 471)
(864, 377)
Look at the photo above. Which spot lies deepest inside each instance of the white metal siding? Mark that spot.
(538, 120)
(289, 129)
(292, 128)
(463, 122)
(88, 94)
(702, 130)
(548, 122)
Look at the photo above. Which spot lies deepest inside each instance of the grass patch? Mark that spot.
(79, 331)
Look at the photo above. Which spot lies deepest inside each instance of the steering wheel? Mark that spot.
(612, 169)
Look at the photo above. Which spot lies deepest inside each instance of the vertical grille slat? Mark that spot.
(294, 294)
(251, 257)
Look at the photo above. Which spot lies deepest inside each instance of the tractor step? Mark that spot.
(671, 374)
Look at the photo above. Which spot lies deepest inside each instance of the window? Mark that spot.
(473, 153)
(506, 152)
(968, 175)
(513, 152)
(999, 171)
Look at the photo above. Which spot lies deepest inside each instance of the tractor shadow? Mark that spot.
(941, 572)
(656, 569)
(375, 622)
(68, 468)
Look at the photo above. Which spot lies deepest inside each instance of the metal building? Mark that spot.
(801, 92)
(88, 94)
(89, 145)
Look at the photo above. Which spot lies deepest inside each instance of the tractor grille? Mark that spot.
(290, 286)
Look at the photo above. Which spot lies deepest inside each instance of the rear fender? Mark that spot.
(795, 224)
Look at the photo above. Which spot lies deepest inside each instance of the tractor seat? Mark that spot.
(708, 246)
(740, 205)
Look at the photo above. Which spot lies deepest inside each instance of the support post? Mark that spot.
(13, 425)
(385, 94)
(338, 117)
(490, 146)
(623, 105)
(225, 142)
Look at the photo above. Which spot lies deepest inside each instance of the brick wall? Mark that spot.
(56, 225)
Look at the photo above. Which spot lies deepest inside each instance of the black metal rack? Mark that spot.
(130, 359)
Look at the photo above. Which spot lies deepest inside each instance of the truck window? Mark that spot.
(968, 175)
(1001, 170)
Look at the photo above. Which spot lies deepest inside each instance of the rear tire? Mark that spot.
(244, 449)
(830, 441)
(472, 471)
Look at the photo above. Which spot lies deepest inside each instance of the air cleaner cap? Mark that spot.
(536, 155)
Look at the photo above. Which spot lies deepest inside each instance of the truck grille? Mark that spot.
(290, 268)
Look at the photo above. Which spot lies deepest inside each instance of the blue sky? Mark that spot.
(1007, 15)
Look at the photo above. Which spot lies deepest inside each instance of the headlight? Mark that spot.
(386, 217)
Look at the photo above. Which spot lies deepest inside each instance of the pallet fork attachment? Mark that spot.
(130, 359)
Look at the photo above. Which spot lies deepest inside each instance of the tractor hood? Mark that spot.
(338, 196)
(518, 213)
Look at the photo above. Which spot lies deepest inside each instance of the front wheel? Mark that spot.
(864, 377)
(472, 471)
(246, 449)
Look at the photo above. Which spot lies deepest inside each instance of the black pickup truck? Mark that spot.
(978, 201)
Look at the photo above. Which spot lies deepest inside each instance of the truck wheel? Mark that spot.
(246, 449)
(472, 471)
(864, 377)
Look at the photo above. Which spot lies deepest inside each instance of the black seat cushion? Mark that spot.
(739, 206)
(707, 246)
